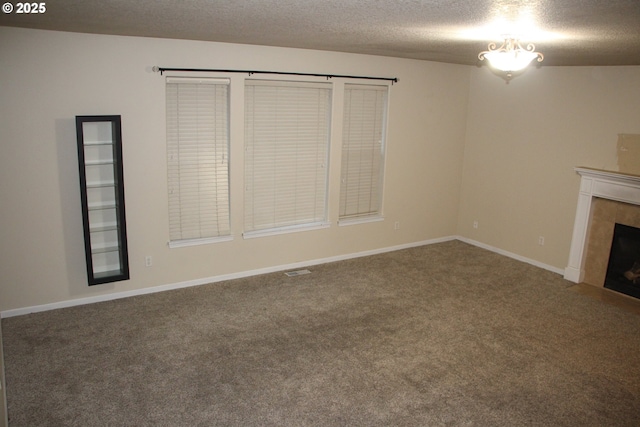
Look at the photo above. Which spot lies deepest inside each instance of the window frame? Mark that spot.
(172, 145)
(381, 120)
(324, 129)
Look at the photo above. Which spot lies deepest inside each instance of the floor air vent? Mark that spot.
(297, 273)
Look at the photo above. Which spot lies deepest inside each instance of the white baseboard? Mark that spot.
(213, 279)
(293, 266)
(512, 255)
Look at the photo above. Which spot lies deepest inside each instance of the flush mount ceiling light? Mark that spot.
(510, 57)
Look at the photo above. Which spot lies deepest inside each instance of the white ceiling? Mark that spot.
(568, 32)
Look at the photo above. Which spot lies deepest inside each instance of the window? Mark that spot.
(363, 143)
(287, 127)
(198, 160)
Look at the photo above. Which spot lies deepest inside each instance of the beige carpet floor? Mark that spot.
(441, 335)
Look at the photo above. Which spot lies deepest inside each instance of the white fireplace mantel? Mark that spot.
(603, 184)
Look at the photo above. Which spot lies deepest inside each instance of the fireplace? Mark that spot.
(623, 270)
(618, 196)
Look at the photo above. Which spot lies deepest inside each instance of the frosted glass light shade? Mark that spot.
(510, 60)
(510, 57)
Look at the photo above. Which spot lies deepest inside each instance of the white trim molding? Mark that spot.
(213, 279)
(511, 255)
(603, 184)
(285, 267)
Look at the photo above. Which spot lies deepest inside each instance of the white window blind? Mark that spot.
(198, 159)
(286, 152)
(363, 146)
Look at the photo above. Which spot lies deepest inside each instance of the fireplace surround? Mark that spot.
(594, 185)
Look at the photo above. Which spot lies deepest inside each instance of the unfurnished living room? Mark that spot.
(320, 213)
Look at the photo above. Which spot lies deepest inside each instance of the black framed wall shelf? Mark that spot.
(102, 196)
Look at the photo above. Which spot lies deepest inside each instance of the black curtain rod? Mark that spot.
(250, 72)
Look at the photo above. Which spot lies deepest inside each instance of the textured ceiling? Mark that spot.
(568, 32)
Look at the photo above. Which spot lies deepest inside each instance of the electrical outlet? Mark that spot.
(541, 240)
(148, 261)
(396, 225)
(475, 224)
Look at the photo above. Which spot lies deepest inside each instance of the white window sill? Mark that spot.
(196, 242)
(360, 220)
(285, 230)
